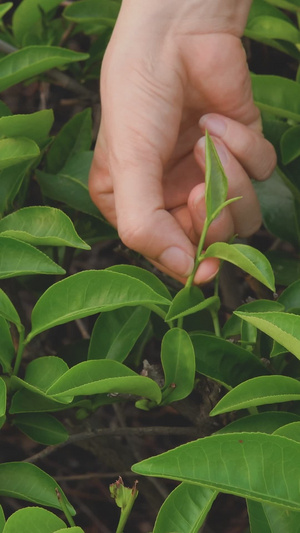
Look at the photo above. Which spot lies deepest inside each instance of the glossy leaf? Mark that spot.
(290, 145)
(224, 361)
(27, 14)
(259, 391)
(73, 138)
(143, 275)
(26, 481)
(42, 226)
(103, 377)
(282, 327)
(178, 361)
(266, 27)
(272, 519)
(291, 431)
(33, 60)
(93, 11)
(185, 509)
(233, 325)
(74, 529)
(7, 310)
(42, 428)
(33, 520)
(44, 371)
(20, 258)
(245, 257)
(14, 151)
(6, 6)
(2, 519)
(11, 179)
(286, 267)
(280, 218)
(277, 95)
(34, 126)
(216, 185)
(188, 301)
(290, 297)
(266, 422)
(35, 401)
(7, 349)
(245, 464)
(116, 332)
(70, 186)
(88, 293)
(2, 397)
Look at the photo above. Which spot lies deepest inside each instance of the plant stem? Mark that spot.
(216, 323)
(19, 352)
(199, 256)
(127, 510)
(64, 508)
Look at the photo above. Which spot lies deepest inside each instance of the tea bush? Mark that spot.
(252, 352)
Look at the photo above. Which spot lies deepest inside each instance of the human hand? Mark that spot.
(159, 77)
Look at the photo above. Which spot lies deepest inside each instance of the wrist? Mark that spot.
(192, 16)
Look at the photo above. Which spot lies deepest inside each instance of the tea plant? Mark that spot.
(253, 355)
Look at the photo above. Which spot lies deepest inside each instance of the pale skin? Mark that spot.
(172, 70)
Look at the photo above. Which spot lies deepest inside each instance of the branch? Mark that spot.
(113, 432)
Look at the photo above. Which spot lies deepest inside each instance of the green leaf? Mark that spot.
(178, 361)
(185, 509)
(93, 11)
(2, 397)
(223, 361)
(266, 422)
(70, 186)
(11, 179)
(2, 519)
(259, 391)
(34, 126)
(7, 310)
(286, 267)
(233, 325)
(282, 327)
(74, 529)
(272, 519)
(280, 218)
(291, 431)
(277, 95)
(215, 179)
(116, 332)
(88, 293)
(34, 401)
(290, 144)
(27, 14)
(266, 27)
(258, 466)
(73, 138)
(290, 297)
(245, 257)
(44, 371)
(42, 428)
(43, 225)
(188, 301)
(7, 349)
(6, 6)
(143, 275)
(20, 258)
(33, 520)
(14, 151)
(26, 481)
(33, 60)
(292, 5)
(103, 377)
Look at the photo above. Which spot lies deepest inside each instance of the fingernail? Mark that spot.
(222, 152)
(214, 125)
(177, 260)
(199, 206)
